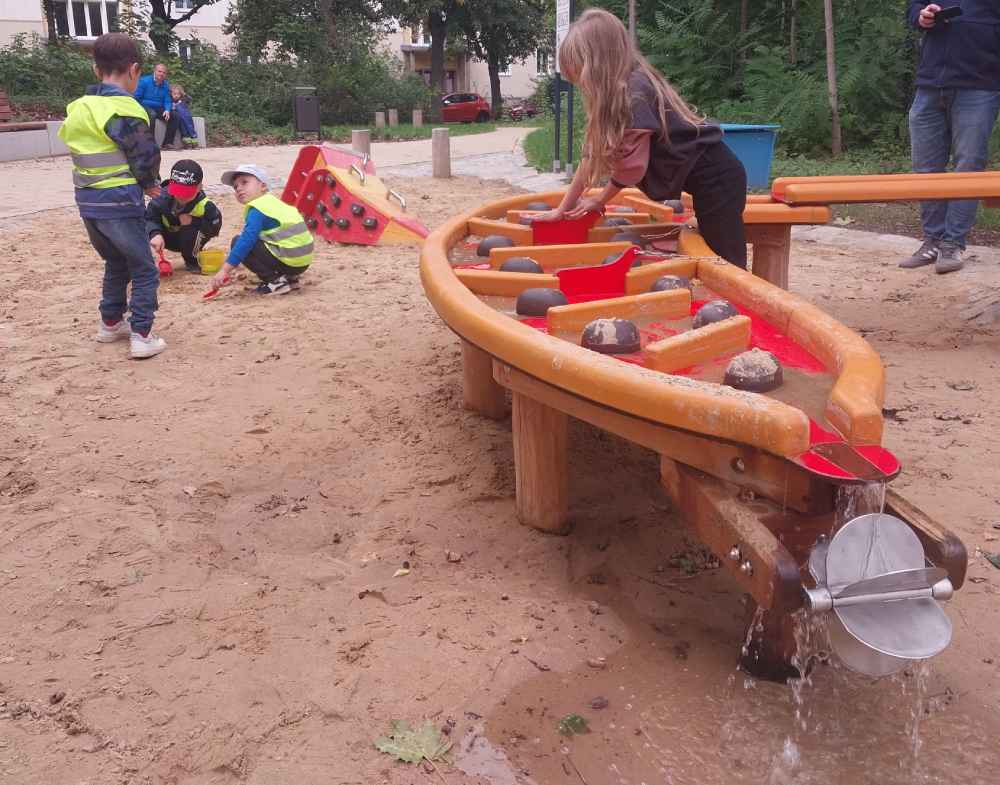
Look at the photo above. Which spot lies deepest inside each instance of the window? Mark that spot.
(85, 18)
(183, 5)
(185, 49)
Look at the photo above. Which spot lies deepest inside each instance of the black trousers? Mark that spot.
(186, 241)
(172, 125)
(718, 186)
(262, 263)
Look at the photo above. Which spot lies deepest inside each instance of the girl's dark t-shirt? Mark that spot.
(667, 161)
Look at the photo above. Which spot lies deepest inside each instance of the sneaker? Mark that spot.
(190, 141)
(143, 346)
(949, 259)
(293, 282)
(926, 254)
(109, 333)
(192, 267)
(277, 286)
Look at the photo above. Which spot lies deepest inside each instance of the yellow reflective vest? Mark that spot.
(97, 161)
(291, 241)
(198, 211)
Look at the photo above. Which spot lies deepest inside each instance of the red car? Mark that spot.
(464, 108)
(521, 110)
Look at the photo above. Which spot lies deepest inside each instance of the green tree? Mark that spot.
(162, 22)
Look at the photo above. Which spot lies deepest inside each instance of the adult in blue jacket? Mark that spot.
(953, 113)
(153, 93)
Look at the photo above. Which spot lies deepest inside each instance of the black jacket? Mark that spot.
(963, 52)
(163, 215)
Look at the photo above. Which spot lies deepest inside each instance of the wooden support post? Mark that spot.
(772, 646)
(418, 118)
(480, 392)
(540, 465)
(772, 244)
(393, 118)
(380, 119)
(361, 142)
(440, 153)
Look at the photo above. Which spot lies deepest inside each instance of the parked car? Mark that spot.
(464, 108)
(521, 110)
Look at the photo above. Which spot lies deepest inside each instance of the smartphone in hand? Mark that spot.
(948, 13)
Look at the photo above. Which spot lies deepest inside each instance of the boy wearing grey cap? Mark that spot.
(275, 244)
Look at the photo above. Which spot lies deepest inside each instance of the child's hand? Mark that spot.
(156, 243)
(221, 278)
(586, 205)
(185, 219)
(556, 214)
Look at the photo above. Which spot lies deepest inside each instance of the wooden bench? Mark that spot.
(7, 117)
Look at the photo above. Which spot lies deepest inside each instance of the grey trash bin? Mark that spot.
(305, 108)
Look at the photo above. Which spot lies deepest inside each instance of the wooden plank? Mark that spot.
(498, 284)
(521, 235)
(697, 346)
(848, 189)
(603, 234)
(777, 213)
(713, 511)
(554, 257)
(515, 216)
(942, 546)
(662, 213)
(541, 472)
(673, 304)
(639, 280)
(765, 474)
(772, 245)
(480, 392)
(21, 127)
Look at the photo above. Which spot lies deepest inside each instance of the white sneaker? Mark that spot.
(148, 346)
(118, 331)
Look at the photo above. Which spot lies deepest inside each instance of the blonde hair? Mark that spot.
(178, 88)
(598, 55)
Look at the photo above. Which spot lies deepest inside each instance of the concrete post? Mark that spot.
(361, 141)
(440, 153)
(393, 118)
(380, 119)
(418, 118)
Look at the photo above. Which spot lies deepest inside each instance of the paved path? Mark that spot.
(28, 187)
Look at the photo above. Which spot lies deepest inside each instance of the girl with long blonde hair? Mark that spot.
(641, 133)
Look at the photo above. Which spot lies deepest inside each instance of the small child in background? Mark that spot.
(116, 159)
(275, 244)
(182, 109)
(182, 218)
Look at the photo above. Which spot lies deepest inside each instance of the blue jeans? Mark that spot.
(124, 246)
(946, 123)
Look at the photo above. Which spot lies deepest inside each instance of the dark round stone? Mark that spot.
(521, 264)
(617, 222)
(536, 302)
(312, 223)
(754, 371)
(327, 220)
(674, 204)
(626, 237)
(335, 200)
(712, 312)
(611, 336)
(492, 241)
(539, 206)
(369, 223)
(357, 210)
(342, 223)
(525, 220)
(667, 282)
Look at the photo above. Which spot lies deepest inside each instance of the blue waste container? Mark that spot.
(754, 146)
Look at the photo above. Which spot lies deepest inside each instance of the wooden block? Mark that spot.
(496, 283)
(690, 243)
(393, 118)
(361, 141)
(943, 547)
(641, 278)
(772, 245)
(541, 474)
(698, 346)
(380, 119)
(763, 473)
(480, 392)
(603, 234)
(777, 213)
(673, 304)
(515, 216)
(521, 235)
(555, 257)
(661, 212)
(418, 118)
(440, 153)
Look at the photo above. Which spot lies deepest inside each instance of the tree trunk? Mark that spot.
(831, 79)
(159, 27)
(496, 100)
(439, 28)
(793, 32)
(50, 22)
(631, 20)
(744, 15)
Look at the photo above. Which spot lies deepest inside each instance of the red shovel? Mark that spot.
(166, 269)
(215, 290)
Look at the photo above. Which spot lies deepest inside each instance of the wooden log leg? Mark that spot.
(479, 391)
(769, 647)
(540, 465)
(772, 245)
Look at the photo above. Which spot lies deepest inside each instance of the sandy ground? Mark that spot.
(197, 551)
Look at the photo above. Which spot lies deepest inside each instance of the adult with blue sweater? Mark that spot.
(953, 113)
(153, 93)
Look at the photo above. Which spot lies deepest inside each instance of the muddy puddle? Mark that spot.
(678, 713)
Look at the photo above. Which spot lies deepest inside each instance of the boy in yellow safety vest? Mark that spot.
(182, 218)
(115, 159)
(275, 244)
